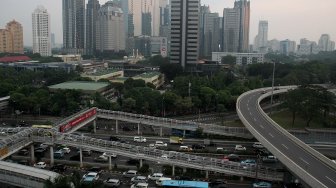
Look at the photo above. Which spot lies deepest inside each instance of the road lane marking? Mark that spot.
(331, 179)
(261, 126)
(284, 146)
(255, 119)
(248, 108)
(271, 135)
(304, 161)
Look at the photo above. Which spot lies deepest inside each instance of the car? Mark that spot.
(40, 165)
(101, 158)
(90, 177)
(257, 145)
(66, 150)
(39, 152)
(59, 168)
(269, 159)
(75, 157)
(140, 185)
(164, 156)
(155, 176)
(248, 162)
(185, 148)
(96, 169)
(219, 149)
(152, 146)
(240, 148)
(262, 184)
(44, 146)
(114, 138)
(139, 139)
(113, 155)
(218, 183)
(334, 161)
(160, 144)
(40, 149)
(111, 182)
(138, 179)
(160, 180)
(86, 152)
(198, 146)
(130, 173)
(23, 152)
(58, 154)
(232, 157)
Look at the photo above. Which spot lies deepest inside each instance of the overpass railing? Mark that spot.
(175, 158)
(173, 123)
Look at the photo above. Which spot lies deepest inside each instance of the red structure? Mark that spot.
(12, 59)
(77, 120)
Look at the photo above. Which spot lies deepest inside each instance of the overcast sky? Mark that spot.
(288, 19)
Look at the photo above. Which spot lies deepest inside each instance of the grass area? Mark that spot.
(235, 123)
(284, 118)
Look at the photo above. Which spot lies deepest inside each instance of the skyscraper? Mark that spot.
(184, 32)
(92, 9)
(287, 47)
(261, 39)
(236, 27)
(73, 25)
(41, 32)
(110, 28)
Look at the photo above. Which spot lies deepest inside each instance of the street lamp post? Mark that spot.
(272, 87)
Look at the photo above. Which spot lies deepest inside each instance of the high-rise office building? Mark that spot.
(110, 28)
(260, 42)
(73, 25)
(184, 32)
(325, 43)
(92, 9)
(53, 40)
(287, 47)
(146, 27)
(236, 27)
(41, 31)
(11, 38)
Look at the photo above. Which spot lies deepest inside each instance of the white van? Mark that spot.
(159, 181)
(139, 139)
(130, 173)
(185, 148)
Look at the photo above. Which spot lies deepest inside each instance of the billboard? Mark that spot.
(77, 120)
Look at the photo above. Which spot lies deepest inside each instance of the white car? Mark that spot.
(240, 148)
(140, 139)
(113, 155)
(66, 150)
(40, 165)
(140, 185)
(160, 144)
(90, 177)
(155, 176)
(257, 145)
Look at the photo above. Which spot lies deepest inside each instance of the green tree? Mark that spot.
(231, 60)
(128, 104)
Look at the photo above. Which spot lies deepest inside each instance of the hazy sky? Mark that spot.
(292, 19)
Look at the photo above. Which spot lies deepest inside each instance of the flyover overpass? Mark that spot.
(312, 167)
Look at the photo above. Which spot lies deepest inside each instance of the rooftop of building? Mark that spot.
(103, 72)
(121, 78)
(147, 75)
(80, 85)
(11, 59)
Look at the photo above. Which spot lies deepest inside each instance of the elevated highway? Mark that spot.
(309, 165)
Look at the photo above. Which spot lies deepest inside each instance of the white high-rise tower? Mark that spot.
(41, 31)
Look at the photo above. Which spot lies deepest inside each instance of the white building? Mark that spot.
(110, 28)
(260, 43)
(241, 58)
(325, 43)
(307, 47)
(41, 32)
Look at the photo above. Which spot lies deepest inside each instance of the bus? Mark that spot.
(183, 183)
(47, 127)
(42, 126)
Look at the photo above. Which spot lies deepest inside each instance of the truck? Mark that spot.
(176, 140)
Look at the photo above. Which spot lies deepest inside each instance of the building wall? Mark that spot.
(6, 41)
(184, 32)
(41, 32)
(93, 7)
(12, 38)
(241, 58)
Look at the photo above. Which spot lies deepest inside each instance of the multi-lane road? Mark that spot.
(323, 173)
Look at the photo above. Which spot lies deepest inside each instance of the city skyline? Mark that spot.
(278, 14)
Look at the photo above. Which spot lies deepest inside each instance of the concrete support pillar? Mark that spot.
(94, 126)
(207, 174)
(80, 158)
(138, 128)
(184, 170)
(184, 133)
(116, 128)
(173, 170)
(51, 156)
(160, 131)
(140, 163)
(32, 154)
(110, 163)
